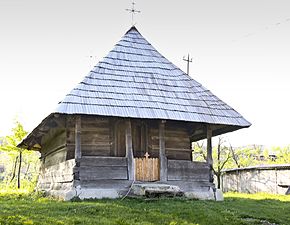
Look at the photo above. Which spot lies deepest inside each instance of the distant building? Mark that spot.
(274, 179)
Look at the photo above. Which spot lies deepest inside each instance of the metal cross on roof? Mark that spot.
(188, 60)
(133, 11)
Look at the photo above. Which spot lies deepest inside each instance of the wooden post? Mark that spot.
(162, 156)
(78, 151)
(209, 159)
(129, 151)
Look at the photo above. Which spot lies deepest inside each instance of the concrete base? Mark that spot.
(155, 189)
(98, 193)
(219, 196)
(200, 195)
(92, 193)
(69, 191)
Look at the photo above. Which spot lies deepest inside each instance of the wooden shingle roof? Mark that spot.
(134, 80)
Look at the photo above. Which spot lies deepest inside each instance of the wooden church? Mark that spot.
(131, 122)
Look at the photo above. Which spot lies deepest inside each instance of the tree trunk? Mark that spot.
(14, 169)
(19, 170)
(218, 176)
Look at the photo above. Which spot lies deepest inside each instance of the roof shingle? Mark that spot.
(134, 80)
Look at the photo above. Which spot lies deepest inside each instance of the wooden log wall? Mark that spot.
(96, 137)
(54, 148)
(179, 170)
(177, 141)
(98, 168)
(56, 175)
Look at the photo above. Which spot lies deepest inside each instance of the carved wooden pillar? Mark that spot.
(162, 156)
(129, 151)
(78, 150)
(209, 159)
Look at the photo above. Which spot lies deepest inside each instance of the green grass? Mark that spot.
(27, 208)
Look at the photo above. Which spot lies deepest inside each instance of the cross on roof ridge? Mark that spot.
(133, 11)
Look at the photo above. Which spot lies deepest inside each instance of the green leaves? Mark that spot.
(18, 163)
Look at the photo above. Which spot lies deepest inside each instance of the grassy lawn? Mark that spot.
(25, 208)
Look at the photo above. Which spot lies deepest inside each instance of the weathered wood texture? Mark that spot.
(147, 169)
(139, 137)
(106, 184)
(162, 154)
(209, 159)
(55, 157)
(103, 136)
(54, 148)
(129, 151)
(177, 141)
(60, 173)
(187, 170)
(78, 132)
(99, 168)
(119, 138)
(96, 138)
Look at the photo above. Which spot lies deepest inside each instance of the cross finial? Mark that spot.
(133, 11)
(188, 60)
(146, 155)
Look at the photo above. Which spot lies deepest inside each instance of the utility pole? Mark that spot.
(188, 60)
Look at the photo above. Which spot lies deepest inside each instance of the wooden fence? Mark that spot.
(147, 169)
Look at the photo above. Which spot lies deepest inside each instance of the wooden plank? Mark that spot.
(112, 136)
(94, 137)
(147, 169)
(178, 155)
(56, 157)
(186, 164)
(96, 133)
(92, 147)
(78, 153)
(187, 170)
(106, 184)
(96, 152)
(129, 151)
(90, 150)
(156, 147)
(103, 161)
(108, 172)
(56, 138)
(209, 159)
(60, 172)
(188, 174)
(56, 178)
(162, 156)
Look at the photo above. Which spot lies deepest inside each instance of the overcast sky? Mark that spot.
(240, 51)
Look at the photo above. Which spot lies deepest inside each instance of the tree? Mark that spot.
(10, 145)
(221, 157)
(282, 154)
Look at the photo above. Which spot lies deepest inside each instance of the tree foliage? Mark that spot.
(19, 163)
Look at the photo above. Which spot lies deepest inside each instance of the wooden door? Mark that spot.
(147, 169)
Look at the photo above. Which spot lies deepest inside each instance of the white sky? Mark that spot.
(240, 50)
